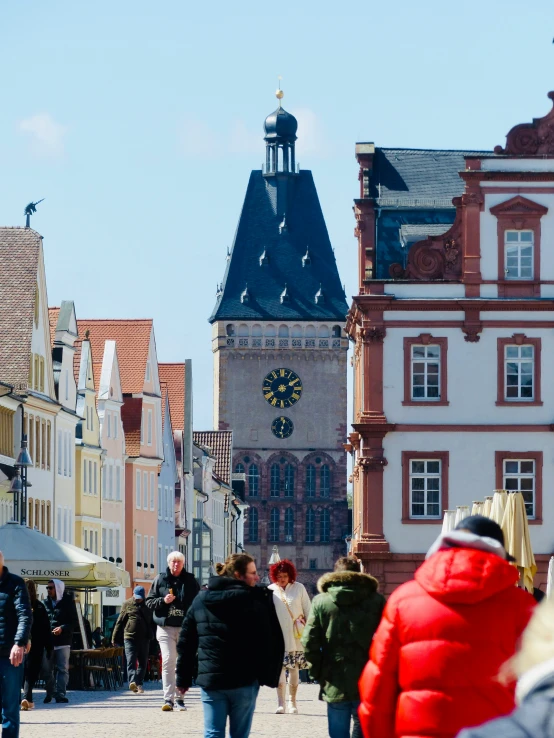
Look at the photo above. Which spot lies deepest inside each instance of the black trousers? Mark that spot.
(33, 665)
(136, 653)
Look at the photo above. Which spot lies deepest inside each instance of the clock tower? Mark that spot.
(280, 355)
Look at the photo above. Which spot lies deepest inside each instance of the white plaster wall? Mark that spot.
(471, 477)
(410, 315)
(64, 486)
(489, 233)
(495, 164)
(489, 291)
(472, 380)
(518, 315)
(419, 290)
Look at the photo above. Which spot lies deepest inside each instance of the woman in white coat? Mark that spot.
(293, 607)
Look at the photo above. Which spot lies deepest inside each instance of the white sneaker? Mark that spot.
(280, 710)
(292, 709)
(181, 705)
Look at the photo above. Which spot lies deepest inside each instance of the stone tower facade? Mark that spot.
(280, 354)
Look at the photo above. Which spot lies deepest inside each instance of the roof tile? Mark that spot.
(173, 377)
(220, 443)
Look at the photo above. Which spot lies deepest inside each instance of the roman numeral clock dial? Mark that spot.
(282, 388)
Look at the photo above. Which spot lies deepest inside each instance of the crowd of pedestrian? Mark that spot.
(449, 655)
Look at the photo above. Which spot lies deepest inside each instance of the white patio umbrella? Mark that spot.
(477, 508)
(448, 521)
(462, 511)
(498, 506)
(487, 507)
(33, 555)
(550, 580)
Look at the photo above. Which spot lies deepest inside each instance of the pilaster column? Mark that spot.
(364, 212)
(472, 203)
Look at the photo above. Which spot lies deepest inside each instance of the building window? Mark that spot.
(518, 254)
(239, 469)
(109, 424)
(275, 480)
(148, 371)
(117, 544)
(149, 437)
(325, 526)
(115, 425)
(425, 370)
(38, 449)
(310, 481)
(310, 525)
(274, 525)
(152, 551)
(118, 483)
(137, 490)
(424, 486)
(138, 551)
(69, 454)
(289, 480)
(521, 471)
(252, 525)
(313, 563)
(325, 481)
(160, 502)
(145, 553)
(145, 490)
(253, 480)
(519, 371)
(95, 474)
(60, 452)
(289, 525)
(152, 491)
(142, 428)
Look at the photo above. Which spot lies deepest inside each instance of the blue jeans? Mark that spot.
(239, 704)
(338, 719)
(136, 653)
(11, 678)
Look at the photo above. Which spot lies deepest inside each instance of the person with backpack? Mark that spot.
(134, 627)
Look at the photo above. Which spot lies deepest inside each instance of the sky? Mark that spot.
(140, 122)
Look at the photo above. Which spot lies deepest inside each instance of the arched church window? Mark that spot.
(274, 525)
(239, 469)
(275, 480)
(310, 525)
(325, 481)
(325, 526)
(230, 329)
(310, 480)
(252, 525)
(323, 331)
(283, 331)
(337, 331)
(310, 331)
(296, 331)
(289, 525)
(253, 480)
(270, 330)
(289, 480)
(243, 329)
(256, 330)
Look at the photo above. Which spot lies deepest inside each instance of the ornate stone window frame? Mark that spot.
(519, 339)
(519, 214)
(537, 456)
(425, 339)
(407, 456)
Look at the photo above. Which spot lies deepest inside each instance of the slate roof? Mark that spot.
(19, 257)
(173, 377)
(133, 343)
(269, 200)
(418, 177)
(220, 443)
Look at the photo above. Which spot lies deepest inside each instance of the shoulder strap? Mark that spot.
(284, 600)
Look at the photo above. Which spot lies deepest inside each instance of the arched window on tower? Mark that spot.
(274, 525)
(289, 525)
(323, 331)
(283, 331)
(239, 468)
(253, 480)
(256, 330)
(270, 336)
(289, 480)
(325, 481)
(230, 329)
(337, 331)
(310, 331)
(243, 329)
(310, 525)
(252, 525)
(310, 480)
(325, 526)
(275, 480)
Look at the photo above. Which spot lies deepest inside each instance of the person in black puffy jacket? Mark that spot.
(533, 665)
(15, 628)
(61, 610)
(234, 629)
(41, 643)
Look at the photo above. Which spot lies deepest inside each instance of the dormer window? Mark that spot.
(518, 251)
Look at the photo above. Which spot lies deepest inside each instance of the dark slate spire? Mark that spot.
(281, 214)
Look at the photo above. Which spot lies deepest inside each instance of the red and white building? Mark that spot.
(452, 357)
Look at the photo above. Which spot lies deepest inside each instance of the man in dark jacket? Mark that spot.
(134, 628)
(170, 597)
(337, 637)
(234, 629)
(15, 627)
(62, 613)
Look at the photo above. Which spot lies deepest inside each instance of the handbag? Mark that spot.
(299, 623)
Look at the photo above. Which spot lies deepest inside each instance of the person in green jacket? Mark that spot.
(337, 637)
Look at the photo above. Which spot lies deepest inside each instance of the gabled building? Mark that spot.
(26, 365)
(280, 363)
(167, 481)
(142, 425)
(451, 344)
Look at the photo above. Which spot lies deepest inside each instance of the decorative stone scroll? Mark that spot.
(531, 139)
(437, 257)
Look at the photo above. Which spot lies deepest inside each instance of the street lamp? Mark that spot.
(19, 489)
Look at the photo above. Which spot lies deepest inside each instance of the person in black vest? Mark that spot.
(61, 610)
(235, 631)
(170, 597)
(134, 628)
(41, 643)
(15, 628)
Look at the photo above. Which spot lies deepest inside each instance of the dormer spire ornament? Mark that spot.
(264, 258)
(279, 94)
(284, 296)
(283, 225)
(531, 139)
(245, 295)
(306, 259)
(319, 296)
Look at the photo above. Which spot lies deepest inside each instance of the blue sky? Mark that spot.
(140, 122)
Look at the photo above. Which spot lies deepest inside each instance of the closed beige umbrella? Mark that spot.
(517, 539)
(462, 512)
(498, 505)
(448, 521)
(477, 508)
(487, 507)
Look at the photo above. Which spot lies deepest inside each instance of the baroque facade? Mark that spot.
(450, 345)
(280, 363)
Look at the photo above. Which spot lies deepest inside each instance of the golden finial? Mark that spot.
(279, 94)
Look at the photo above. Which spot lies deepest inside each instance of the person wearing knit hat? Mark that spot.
(135, 625)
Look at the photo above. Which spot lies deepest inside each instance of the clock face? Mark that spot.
(282, 388)
(282, 427)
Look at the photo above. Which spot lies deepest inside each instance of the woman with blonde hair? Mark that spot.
(293, 607)
(533, 665)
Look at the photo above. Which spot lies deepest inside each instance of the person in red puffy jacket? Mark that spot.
(436, 656)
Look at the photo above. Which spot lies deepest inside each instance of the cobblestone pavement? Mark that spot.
(124, 715)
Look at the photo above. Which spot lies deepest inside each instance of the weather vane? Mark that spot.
(31, 209)
(279, 94)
